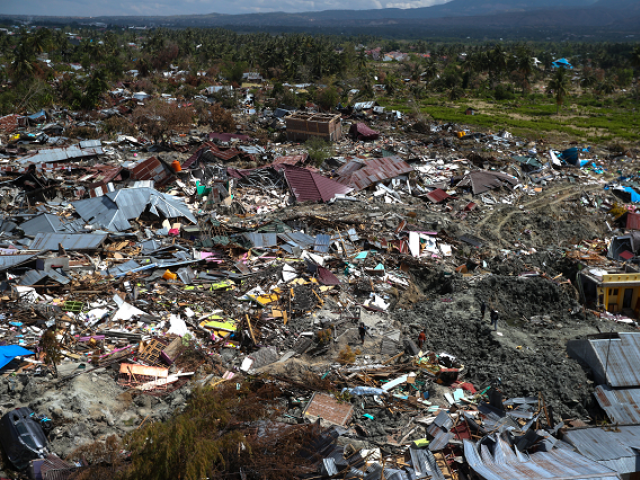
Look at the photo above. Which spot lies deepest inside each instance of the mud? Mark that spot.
(528, 353)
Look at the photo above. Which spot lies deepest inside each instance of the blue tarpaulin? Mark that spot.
(562, 62)
(9, 352)
(37, 116)
(635, 196)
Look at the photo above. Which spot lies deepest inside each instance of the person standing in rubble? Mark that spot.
(483, 308)
(362, 330)
(494, 319)
(422, 337)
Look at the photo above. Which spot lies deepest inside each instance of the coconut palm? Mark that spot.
(559, 86)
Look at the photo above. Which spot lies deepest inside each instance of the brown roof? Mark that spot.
(482, 181)
(310, 186)
(376, 170)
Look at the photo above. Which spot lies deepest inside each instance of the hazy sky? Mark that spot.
(182, 7)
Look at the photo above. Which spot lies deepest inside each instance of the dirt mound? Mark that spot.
(529, 356)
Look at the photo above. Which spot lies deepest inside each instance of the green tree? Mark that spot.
(95, 86)
(327, 98)
(318, 150)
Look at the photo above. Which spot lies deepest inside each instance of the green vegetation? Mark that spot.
(319, 150)
(227, 431)
(511, 85)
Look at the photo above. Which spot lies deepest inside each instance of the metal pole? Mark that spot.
(606, 364)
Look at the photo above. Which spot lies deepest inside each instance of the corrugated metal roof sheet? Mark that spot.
(326, 277)
(376, 170)
(102, 211)
(10, 261)
(607, 444)
(364, 105)
(261, 240)
(425, 464)
(559, 463)
(291, 159)
(123, 268)
(633, 221)
(113, 210)
(622, 406)
(61, 154)
(360, 131)
(69, 241)
(35, 277)
(90, 144)
(299, 239)
(482, 181)
(309, 186)
(620, 358)
(323, 241)
(437, 195)
(349, 167)
(45, 222)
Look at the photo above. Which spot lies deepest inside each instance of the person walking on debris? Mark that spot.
(494, 319)
(422, 338)
(362, 330)
(483, 308)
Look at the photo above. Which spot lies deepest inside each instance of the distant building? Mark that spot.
(252, 77)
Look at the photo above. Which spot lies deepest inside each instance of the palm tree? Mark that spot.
(588, 78)
(39, 42)
(361, 60)
(430, 71)
(22, 66)
(559, 86)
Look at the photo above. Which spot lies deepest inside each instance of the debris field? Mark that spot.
(134, 272)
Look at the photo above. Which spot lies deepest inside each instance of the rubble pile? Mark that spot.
(134, 271)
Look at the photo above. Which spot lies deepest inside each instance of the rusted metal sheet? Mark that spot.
(633, 221)
(310, 186)
(291, 159)
(10, 123)
(621, 406)
(152, 169)
(438, 195)
(328, 408)
(376, 170)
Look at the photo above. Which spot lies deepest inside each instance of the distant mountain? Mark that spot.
(630, 5)
(613, 14)
(454, 8)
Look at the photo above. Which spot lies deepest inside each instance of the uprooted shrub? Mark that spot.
(223, 432)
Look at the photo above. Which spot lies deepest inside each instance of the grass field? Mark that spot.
(581, 118)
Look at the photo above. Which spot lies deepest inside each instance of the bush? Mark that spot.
(118, 125)
(502, 92)
(214, 437)
(219, 119)
(319, 150)
(347, 356)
